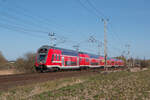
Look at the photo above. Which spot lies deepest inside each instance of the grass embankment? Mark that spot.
(113, 86)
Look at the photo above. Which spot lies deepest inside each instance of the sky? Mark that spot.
(25, 24)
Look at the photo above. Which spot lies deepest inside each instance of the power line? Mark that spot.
(24, 13)
(20, 31)
(16, 27)
(96, 10)
(89, 10)
(38, 18)
(25, 29)
(21, 28)
(30, 23)
(99, 12)
(114, 33)
(41, 19)
(46, 21)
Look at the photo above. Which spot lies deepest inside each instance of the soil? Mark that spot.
(7, 72)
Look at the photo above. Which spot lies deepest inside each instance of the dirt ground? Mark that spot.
(7, 72)
(137, 69)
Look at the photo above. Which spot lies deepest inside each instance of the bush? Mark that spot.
(26, 64)
(3, 61)
(2, 58)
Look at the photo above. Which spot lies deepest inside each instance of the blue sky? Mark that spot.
(71, 21)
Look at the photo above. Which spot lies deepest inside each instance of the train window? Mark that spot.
(67, 63)
(59, 57)
(52, 58)
(42, 57)
(94, 63)
(43, 51)
(86, 59)
(73, 63)
(80, 59)
(56, 56)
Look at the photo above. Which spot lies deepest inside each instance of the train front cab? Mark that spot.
(48, 59)
(41, 59)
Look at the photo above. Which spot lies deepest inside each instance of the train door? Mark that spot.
(78, 64)
(63, 60)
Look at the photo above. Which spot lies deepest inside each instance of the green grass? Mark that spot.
(112, 86)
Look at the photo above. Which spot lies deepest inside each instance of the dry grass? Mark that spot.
(113, 86)
(26, 92)
(122, 85)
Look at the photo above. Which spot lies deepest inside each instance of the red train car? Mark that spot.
(54, 58)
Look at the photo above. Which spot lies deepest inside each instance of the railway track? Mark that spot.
(10, 81)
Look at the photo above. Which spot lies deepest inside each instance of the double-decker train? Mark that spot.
(54, 58)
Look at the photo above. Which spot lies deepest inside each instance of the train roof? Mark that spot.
(71, 52)
(64, 51)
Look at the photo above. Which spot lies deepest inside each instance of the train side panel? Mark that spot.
(51, 57)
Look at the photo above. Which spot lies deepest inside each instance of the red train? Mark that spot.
(54, 58)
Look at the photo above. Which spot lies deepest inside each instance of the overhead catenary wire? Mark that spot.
(39, 18)
(89, 10)
(10, 28)
(18, 18)
(20, 26)
(103, 16)
(99, 13)
(114, 32)
(23, 29)
(22, 21)
(16, 27)
(26, 13)
(43, 20)
(96, 10)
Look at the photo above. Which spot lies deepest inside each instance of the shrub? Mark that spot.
(2, 58)
(3, 61)
(26, 63)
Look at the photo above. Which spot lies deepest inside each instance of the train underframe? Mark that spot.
(44, 68)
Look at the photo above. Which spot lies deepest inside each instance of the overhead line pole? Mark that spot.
(128, 54)
(105, 42)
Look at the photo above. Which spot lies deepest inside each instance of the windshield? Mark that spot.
(42, 57)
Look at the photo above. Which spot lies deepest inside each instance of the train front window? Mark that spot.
(42, 57)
